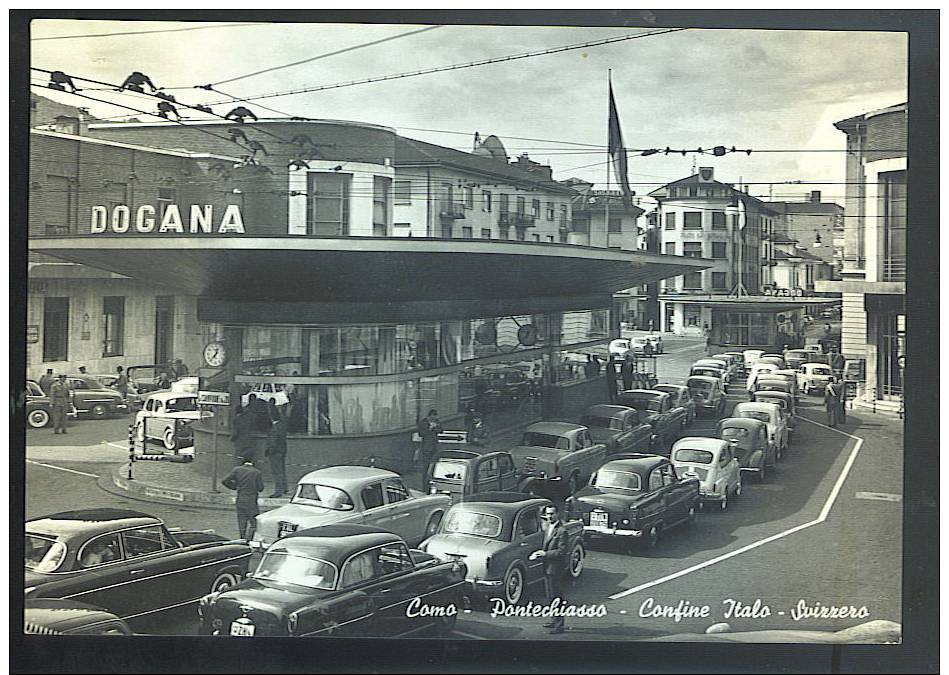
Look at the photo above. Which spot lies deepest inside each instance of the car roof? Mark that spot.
(820, 364)
(89, 521)
(676, 387)
(166, 394)
(500, 503)
(554, 427)
(458, 454)
(759, 406)
(607, 410)
(740, 422)
(635, 462)
(335, 543)
(347, 477)
(702, 378)
(699, 443)
(649, 392)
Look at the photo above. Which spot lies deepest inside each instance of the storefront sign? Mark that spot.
(32, 334)
(214, 398)
(200, 219)
(786, 292)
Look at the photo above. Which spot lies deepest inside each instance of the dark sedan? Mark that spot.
(126, 562)
(50, 616)
(91, 397)
(39, 411)
(339, 580)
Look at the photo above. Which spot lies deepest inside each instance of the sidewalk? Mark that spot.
(166, 482)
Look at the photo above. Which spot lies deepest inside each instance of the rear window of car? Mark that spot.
(183, 404)
(539, 440)
(325, 496)
(42, 554)
(462, 521)
(707, 372)
(693, 455)
(622, 480)
(449, 470)
(597, 422)
(734, 432)
(699, 384)
(648, 403)
(820, 371)
(755, 415)
(278, 564)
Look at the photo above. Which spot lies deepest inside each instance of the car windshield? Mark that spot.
(639, 341)
(643, 403)
(42, 554)
(279, 564)
(797, 354)
(695, 456)
(33, 389)
(184, 404)
(739, 433)
(617, 480)
(449, 470)
(597, 422)
(708, 372)
(539, 440)
(699, 384)
(755, 415)
(820, 371)
(462, 521)
(324, 496)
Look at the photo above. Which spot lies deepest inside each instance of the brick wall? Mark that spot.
(886, 136)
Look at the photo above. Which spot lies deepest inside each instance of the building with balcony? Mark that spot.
(815, 224)
(873, 283)
(282, 243)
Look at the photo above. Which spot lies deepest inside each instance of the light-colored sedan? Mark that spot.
(712, 461)
(681, 396)
(168, 417)
(354, 494)
(751, 357)
(814, 377)
(770, 414)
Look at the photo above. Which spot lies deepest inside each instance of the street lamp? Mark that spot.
(737, 213)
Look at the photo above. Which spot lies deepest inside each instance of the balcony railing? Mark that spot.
(894, 268)
(523, 220)
(451, 210)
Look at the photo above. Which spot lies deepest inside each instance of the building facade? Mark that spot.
(873, 277)
(814, 224)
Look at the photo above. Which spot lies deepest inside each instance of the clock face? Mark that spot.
(215, 354)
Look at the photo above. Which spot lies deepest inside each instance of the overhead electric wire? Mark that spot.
(148, 32)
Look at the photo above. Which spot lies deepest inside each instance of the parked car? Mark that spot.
(495, 535)
(681, 398)
(814, 377)
(268, 391)
(655, 407)
(777, 381)
(786, 402)
(776, 359)
(751, 357)
(739, 359)
(711, 461)
(498, 388)
(656, 341)
(39, 411)
(460, 473)
(354, 494)
(795, 358)
(707, 392)
(144, 378)
(559, 451)
(168, 417)
(619, 347)
(750, 445)
(636, 497)
(53, 616)
(790, 376)
(638, 345)
(757, 371)
(770, 414)
(619, 428)
(91, 398)
(133, 397)
(731, 363)
(339, 580)
(722, 364)
(709, 371)
(126, 562)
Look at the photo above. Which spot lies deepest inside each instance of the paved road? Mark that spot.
(824, 528)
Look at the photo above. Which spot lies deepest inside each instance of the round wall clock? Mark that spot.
(215, 354)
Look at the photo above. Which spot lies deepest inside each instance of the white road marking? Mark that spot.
(60, 468)
(468, 635)
(117, 445)
(828, 504)
(879, 496)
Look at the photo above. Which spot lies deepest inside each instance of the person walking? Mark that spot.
(240, 433)
(832, 402)
(474, 425)
(554, 556)
(60, 398)
(628, 369)
(428, 429)
(248, 481)
(47, 381)
(121, 382)
(276, 451)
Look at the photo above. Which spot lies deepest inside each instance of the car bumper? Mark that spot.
(711, 497)
(487, 588)
(603, 531)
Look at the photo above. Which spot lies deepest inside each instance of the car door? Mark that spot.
(375, 511)
(391, 589)
(508, 474)
(527, 537)
(406, 514)
(678, 495)
(100, 582)
(160, 575)
(153, 419)
(488, 474)
(730, 466)
(80, 392)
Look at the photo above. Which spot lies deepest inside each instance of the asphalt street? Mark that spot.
(824, 529)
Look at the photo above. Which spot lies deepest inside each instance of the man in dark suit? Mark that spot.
(247, 480)
(554, 554)
(832, 399)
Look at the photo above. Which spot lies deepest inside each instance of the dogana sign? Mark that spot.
(200, 220)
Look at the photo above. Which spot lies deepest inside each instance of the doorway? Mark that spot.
(164, 328)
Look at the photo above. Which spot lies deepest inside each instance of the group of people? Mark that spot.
(60, 399)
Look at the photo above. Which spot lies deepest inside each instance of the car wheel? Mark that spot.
(513, 585)
(98, 411)
(140, 432)
(577, 557)
(724, 503)
(169, 440)
(223, 581)
(38, 418)
(433, 522)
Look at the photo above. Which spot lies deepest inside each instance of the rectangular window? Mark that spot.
(467, 233)
(403, 192)
(893, 209)
(113, 315)
(505, 232)
(486, 201)
(535, 208)
(60, 204)
(503, 200)
(670, 221)
(670, 248)
(380, 206)
(718, 220)
(469, 198)
(522, 204)
(692, 282)
(447, 232)
(692, 249)
(718, 249)
(615, 226)
(718, 281)
(692, 220)
(551, 213)
(485, 232)
(550, 238)
(563, 218)
(521, 234)
(55, 329)
(166, 197)
(327, 207)
(535, 237)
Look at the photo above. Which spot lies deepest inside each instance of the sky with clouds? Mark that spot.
(774, 89)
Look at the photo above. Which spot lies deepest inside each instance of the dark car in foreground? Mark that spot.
(50, 616)
(339, 580)
(126, 562)
(636, 497)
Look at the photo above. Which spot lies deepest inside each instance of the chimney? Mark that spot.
(815, 196)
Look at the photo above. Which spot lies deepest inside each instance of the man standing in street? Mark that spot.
(554, 556)
(240, 433)
(832, 398)
(248, 481)
(121, 382)
(47, 381)
(179, 369)
(59, 398)
(428, 429)
(276, 451)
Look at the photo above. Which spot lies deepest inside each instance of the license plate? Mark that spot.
(284, 528)
(599, 519)
(243, 629)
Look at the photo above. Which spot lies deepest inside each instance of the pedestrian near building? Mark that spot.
(248, 481)
(179, 369)
(628, 369)
(276, 451)
(428, 429)
(611, 365)
(241, 433)
(121, 382)
(832, 402)
(554, 556)
(47, 381)
(60, 398)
